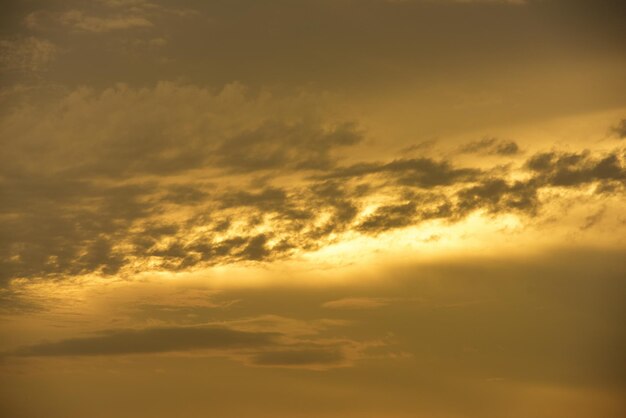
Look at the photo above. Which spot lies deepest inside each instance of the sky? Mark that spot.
(312, 208)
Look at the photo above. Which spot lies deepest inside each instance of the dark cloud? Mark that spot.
(54, 226)
(150, 340)
(341, 200)
(259, 344)
(574, 169)
(179, 254)
(255, 249)
(491, 146)
(498, 195)
(389, 217)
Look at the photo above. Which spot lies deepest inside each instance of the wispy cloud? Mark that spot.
(80, 20)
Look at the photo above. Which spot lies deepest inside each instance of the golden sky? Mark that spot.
(312, 208)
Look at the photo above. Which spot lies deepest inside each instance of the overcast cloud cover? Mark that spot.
(375, 208)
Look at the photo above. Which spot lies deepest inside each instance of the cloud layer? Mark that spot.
(178, 177)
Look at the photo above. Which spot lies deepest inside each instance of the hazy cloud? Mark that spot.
(82, 21)
(27, 54)
(276, 145)
(79, 20)
(593, 219)
(105, 16)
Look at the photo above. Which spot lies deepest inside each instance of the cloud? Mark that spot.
(179, 177)
(57, 232)
(498, 195)
(417, 172)
(269, 199)
(264, 341)
(15, 302)
(82, 21)
(389, 217)
(619, 130)
(296, 146)
(356, 303)
(593, 219)
(422, 146)
(576, 168)
(150, 340)
(28, 54)
(106, 16)
(71, 201)
(486, 318)
(490, 146)
(175, 128)
(79, 20)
